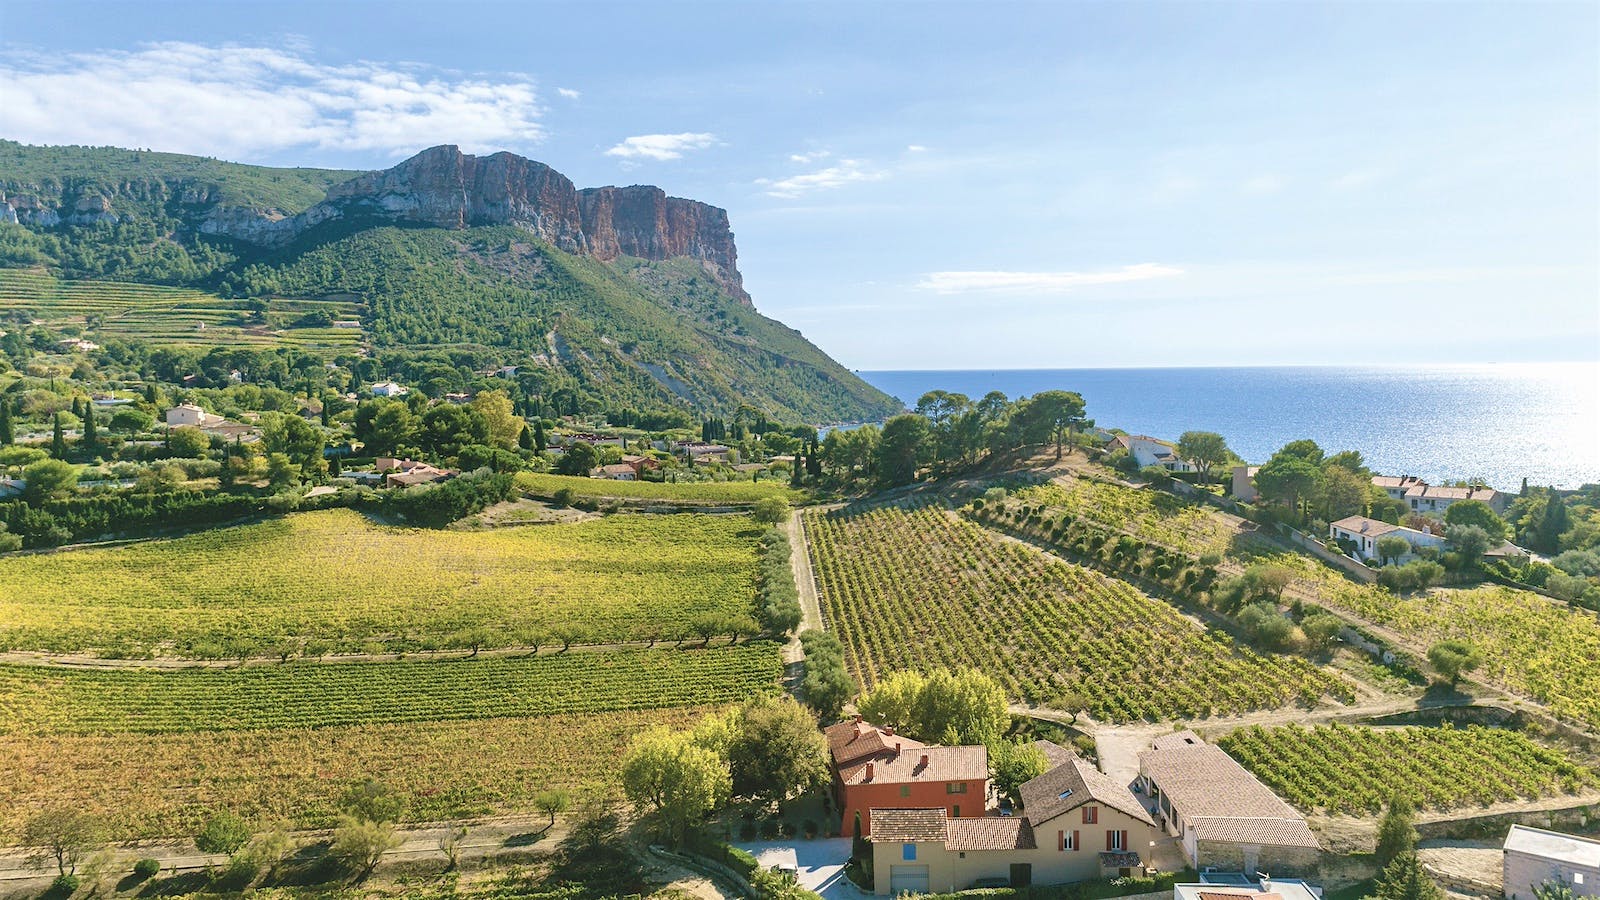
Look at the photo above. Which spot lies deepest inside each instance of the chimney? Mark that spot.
(896, 748)
(924, 763)
(889, 731)
(869, 772)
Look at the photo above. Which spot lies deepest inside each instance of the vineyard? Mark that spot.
(37, 700)
(918, 588)
(146, 785)
(1355, 770)
(1153, 516)
(165, 316)
(335, 580)
(541, 485)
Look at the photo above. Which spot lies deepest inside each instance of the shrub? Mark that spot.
(65, 885)
(147, 868)
(222, 833)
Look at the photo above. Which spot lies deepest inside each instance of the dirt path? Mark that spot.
(805, 583)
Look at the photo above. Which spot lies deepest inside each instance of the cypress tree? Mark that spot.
(90, 436)
(1554, 522)
(77, 406)
(58, 440)
(539, 440)
(525, 438)
(334, 466)
(794, 472)
(8, 431)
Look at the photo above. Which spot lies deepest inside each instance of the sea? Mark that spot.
(1497, 423)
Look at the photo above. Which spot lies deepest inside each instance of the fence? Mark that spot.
(1352, 568)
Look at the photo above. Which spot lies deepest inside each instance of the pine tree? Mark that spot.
(1397, 833)
(8, 431)
(90, 435)
(58, 440)
(1404, 879)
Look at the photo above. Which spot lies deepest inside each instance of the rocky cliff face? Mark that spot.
(439, 187)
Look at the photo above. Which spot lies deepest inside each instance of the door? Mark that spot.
(1021, 874)
(912, 879)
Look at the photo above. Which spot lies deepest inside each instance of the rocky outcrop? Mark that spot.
(643, 221)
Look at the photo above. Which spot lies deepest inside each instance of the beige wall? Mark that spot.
(1275, 861)
(1524, 871)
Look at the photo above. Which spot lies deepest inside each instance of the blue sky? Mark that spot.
(921, 185)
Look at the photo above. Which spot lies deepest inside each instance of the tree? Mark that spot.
(58, 439)
(1288, 478)
(827, 685)
(296, 438)
(1392, 547)
(1404, 879)
(1397, 830)
(1320, 630)
(540, 441)
(447, 428)
(552, 803)
(494, 407)
(384, 426)
(359, 844)
(1343, 492)
(1206, 449)
(91, 436)
(1553, 889)
(965, 707)
(667, 774)
(1469, 540)
(61, 835)
(777, 751)
(1056, 413)
(187, 441)
(579, 459)
(901, 450)
(1013, 762)
(1553, 522)
(281, 470)
(8, 431)
(770, 510)
(1479, 514)
(49, 478)
(372, 799)
(131, 421)
(223, 832)
(1454, 658)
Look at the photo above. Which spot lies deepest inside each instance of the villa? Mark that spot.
(1362, 534)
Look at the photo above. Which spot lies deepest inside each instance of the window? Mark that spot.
(1577, 878)
(905, 790)
(955, 787)
(955, 811)
(1066, 840)
(1091, 815)
(1116, 840)
(908, 851)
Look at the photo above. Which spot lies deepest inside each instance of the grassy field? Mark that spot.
(920, 587)
(336, 579)
(541, 485)
(145, 785)
(1354, 770)
(165, 316)
(40, 700)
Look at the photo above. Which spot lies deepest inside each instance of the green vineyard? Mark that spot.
(709, 492)
(1355, 771)
(336, 579)
(1153, 516)
(918, 588)
(171, 317)
(36, 699)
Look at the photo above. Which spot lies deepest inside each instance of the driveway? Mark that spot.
(819, 862)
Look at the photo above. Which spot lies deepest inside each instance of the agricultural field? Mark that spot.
(917, 587)
(1153, 516)
(148, 785)
(169, 317)
(1356, 770)
(333, 581)
(49, 700)
(541, 485)
(1541, 648)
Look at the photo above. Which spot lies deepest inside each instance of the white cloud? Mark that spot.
(569, 93)
(1038, 282)
(237, 101)
(848, 171)
(661, 146)
(916, 148)
(809, 157)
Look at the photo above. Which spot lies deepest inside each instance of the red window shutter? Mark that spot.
(1124, 840)
(1075, 844)
(1111, 837)
(1061, 840)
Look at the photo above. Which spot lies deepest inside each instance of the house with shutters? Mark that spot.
(874, 768)
(1076, 824)
(1224, 817)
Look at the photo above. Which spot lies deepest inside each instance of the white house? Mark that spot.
(1364, 533)
(1424, 498)
(1244, 483)
(1149, 451)
(1534, 856)
(187, 414)
(389, 389)
(1397, 485)
(1237, 887)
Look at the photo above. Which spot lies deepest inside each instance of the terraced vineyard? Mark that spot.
(166, 316)
(1355, 770)
(336, 579)
(150, 785)
(911, 588)
(1532, 645)
(40, 700)
(541, 485)
(1154, 516)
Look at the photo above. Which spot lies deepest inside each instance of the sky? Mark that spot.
(949, 185)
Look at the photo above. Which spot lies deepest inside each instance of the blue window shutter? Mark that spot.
(908, 851)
